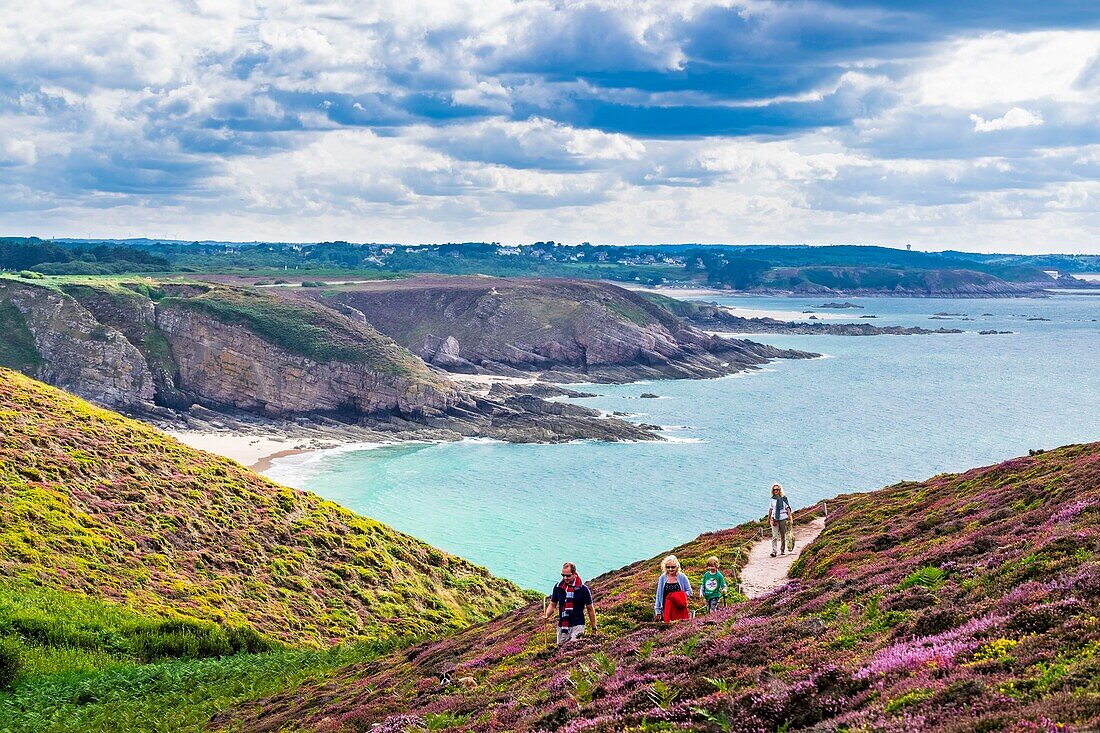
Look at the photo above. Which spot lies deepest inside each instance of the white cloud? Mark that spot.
(1015, 117)
(1008, 68)
(18, 152)
(290, 120)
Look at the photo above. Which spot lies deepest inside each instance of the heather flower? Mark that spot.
(1069, 511)
(940, 649)
(400, 724)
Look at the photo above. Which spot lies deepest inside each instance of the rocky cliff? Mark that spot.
(567, 330)
(64, 344)
(132, 344)
(347, 369)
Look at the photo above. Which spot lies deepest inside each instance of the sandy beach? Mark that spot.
(670, 292)
(254, 451)
(481, 383)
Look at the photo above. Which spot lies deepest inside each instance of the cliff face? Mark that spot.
(225, 364)
(104, 506)
(75, 351)
(130, 309)
(132, 344)
(569, 330)
(966, 602)
(120, 347)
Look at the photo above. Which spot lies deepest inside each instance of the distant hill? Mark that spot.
(751, 268)
(963, 603)
(102, 507)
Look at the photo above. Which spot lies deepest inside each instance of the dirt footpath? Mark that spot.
(763, 573)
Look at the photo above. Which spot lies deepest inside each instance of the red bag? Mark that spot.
(676, 606)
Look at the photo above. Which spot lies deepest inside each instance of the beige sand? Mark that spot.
(481, 383)
(763, 573)
(255, 451)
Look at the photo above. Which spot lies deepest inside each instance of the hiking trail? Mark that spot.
(763, 573)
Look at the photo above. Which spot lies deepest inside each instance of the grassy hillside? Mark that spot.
(302, 327)
(963, 603)
(106, 507)
(487, 312)
(887, 280)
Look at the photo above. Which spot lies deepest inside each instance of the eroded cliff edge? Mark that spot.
(564, 330)
(158, 349)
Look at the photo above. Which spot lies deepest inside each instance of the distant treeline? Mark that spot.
(38, 255)
(741, 267)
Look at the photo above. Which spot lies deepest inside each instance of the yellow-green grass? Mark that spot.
(107, 507)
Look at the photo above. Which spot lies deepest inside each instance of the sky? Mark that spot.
(971, 125)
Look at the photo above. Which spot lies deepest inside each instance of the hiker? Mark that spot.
(781, 518)
(673, 591)
(571, 600)
(713, 586)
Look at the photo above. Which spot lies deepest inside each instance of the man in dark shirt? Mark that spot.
(569, 602)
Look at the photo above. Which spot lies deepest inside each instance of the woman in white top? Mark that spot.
(781, 518)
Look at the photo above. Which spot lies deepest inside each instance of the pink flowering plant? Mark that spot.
(966, 602)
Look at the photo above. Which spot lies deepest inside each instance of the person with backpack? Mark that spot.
(571, 601)
(781, 518)
(673, 591)
(713, 586)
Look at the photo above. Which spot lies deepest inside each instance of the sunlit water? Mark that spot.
(877, 410)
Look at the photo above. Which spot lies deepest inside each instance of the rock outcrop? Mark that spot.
(567, 330)
(225, 364)
(78, 353)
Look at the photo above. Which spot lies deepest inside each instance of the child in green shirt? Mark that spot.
(714, 584)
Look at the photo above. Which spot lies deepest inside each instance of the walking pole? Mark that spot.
(545, 629)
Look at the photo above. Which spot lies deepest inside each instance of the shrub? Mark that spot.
(10, 663)
(31, 275)
(195, 640)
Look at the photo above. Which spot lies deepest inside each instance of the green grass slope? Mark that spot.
(963, 603)
(109, 509)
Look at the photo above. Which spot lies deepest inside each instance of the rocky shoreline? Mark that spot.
(715, 318)
(509, 413)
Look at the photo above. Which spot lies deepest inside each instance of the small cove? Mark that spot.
(878, 410)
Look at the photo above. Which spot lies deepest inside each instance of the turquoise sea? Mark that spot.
(874, 411)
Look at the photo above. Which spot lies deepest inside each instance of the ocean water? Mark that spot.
(873, 411)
